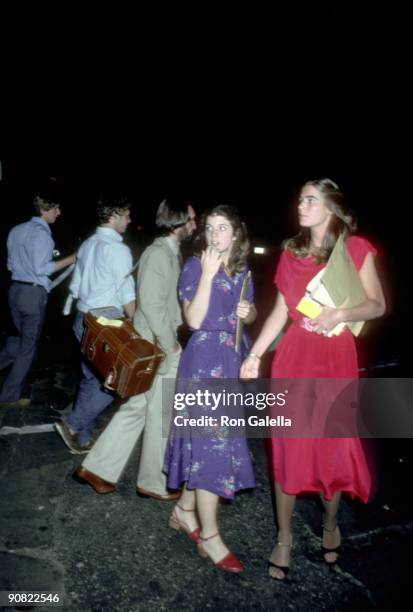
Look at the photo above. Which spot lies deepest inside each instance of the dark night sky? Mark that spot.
(240, 125)
(241, 107)
(256, 171)
(256, 167)
(214, 115)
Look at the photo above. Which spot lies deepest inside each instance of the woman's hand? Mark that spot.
(326, 320)
(250, 367)
(211, 262)
(243, 309)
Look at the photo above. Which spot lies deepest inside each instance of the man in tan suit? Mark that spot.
(158, 314)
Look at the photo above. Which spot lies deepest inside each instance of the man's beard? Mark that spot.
(185, 235)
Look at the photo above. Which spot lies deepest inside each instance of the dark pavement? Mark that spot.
(116, 552)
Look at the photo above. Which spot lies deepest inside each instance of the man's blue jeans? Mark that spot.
(28, 308)
(92, 398)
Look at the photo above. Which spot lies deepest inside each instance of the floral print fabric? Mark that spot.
(210, 457)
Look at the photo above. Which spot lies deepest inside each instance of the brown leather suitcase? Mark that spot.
(127, 362)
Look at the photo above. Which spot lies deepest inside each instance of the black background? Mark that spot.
(240, 107)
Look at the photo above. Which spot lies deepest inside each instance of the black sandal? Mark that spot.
(283, 568)
(326, 551)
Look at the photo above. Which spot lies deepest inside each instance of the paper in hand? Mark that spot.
(338, 285)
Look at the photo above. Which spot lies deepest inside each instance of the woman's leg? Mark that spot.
(207, 506)
(281, 554)
(185, 510)
(331, 532)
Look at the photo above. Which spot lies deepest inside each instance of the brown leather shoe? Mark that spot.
(83, 476)
(168, 497)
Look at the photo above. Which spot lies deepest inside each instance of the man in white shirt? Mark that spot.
(102, 277)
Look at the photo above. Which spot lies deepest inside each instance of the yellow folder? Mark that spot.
(337, 285)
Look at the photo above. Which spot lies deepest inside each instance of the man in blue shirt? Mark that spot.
(30, 260)
(102, 278)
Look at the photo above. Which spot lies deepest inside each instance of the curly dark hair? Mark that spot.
(239, 252)
(341, 222)
(107, 206)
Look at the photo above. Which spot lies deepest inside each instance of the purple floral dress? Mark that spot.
(214, 459)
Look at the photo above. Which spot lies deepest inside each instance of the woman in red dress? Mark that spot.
(329, 466)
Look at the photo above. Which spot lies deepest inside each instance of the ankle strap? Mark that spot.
(325, 528)
(185, 509)
(330, 530)
(209, 537)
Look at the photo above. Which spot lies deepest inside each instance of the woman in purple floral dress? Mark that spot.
(211, 463)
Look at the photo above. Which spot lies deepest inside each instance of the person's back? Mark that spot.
(159, 312)
(102, 278)
(101, 274)
(30, 260)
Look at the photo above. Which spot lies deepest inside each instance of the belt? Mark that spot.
(28, 283)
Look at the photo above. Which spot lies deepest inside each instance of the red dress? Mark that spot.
(320, 464)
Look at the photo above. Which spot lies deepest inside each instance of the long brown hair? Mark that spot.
(341, 222)
(240, 247)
